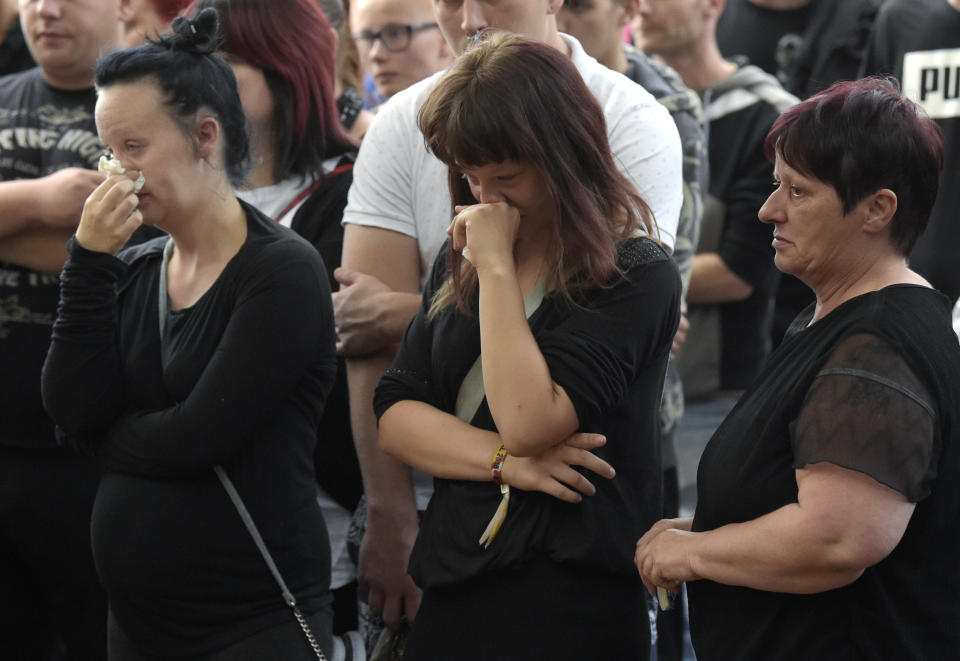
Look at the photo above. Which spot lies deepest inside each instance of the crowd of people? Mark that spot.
(244, 246)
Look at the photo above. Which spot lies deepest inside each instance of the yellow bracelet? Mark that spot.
(501, 514)
(496, 467)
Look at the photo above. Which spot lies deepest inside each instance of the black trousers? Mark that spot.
(543, 611)
(284, 642)
(51, 602)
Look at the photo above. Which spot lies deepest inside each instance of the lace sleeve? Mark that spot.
(867, 411)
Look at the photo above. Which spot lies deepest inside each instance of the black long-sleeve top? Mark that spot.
(239, 380)
(609, 353)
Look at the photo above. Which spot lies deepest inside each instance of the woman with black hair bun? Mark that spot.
(205, 352)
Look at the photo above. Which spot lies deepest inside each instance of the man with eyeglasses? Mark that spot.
(395, 221)
(399, 42)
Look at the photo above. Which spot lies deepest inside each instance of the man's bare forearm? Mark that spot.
(712, 281)
(19, 210)
(386, 481)
(41, 249)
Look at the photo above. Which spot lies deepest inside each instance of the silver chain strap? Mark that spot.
(311, 639)
(285, 593)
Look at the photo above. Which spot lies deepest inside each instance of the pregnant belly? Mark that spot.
(166, 537)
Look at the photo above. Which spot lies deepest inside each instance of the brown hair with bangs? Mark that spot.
(512, 98)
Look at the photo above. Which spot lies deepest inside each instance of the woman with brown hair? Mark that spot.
(541, 345)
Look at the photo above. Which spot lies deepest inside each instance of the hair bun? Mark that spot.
(197, 35)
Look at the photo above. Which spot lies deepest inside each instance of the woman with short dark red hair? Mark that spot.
(826, 521)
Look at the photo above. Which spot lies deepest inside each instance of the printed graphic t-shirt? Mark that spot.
(42, 130)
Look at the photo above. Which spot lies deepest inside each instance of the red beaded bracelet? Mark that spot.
(496, 468)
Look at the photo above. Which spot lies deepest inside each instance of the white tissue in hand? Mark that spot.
(110, 166)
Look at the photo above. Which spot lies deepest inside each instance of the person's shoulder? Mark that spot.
(324, 206)
(748, 85)
(143, 252)
(20, 80)
(644, 268)
(663, 82)
(611, 88)
(914, 319)
(899, 310)
(640, 251)
(266, 232)
(394, 138)
(850, 12)
(275, 245)
(911, 298)
(905, 15)
(653, 75)
(402, 107)
(942, 13)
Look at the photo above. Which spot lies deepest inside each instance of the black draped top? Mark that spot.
(874, 387)
(609, 353)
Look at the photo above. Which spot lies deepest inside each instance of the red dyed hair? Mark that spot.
(860, 136)
(292, 42)
(170, 9)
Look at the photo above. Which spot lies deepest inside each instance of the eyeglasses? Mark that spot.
(394, 37)
(578, 5)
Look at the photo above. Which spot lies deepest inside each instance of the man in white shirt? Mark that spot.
(396, 217)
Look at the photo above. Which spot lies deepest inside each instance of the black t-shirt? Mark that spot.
(918, 41)
(808, 48)
(871, 387)
(609, 356)
(729, 341)
(240, 380)
(42, 130)
(768, 38)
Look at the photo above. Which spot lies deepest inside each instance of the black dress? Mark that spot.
(558, 580)
(871, 387)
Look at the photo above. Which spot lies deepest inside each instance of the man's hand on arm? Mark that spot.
(369, 314)
(392, 522)
(384, 555)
